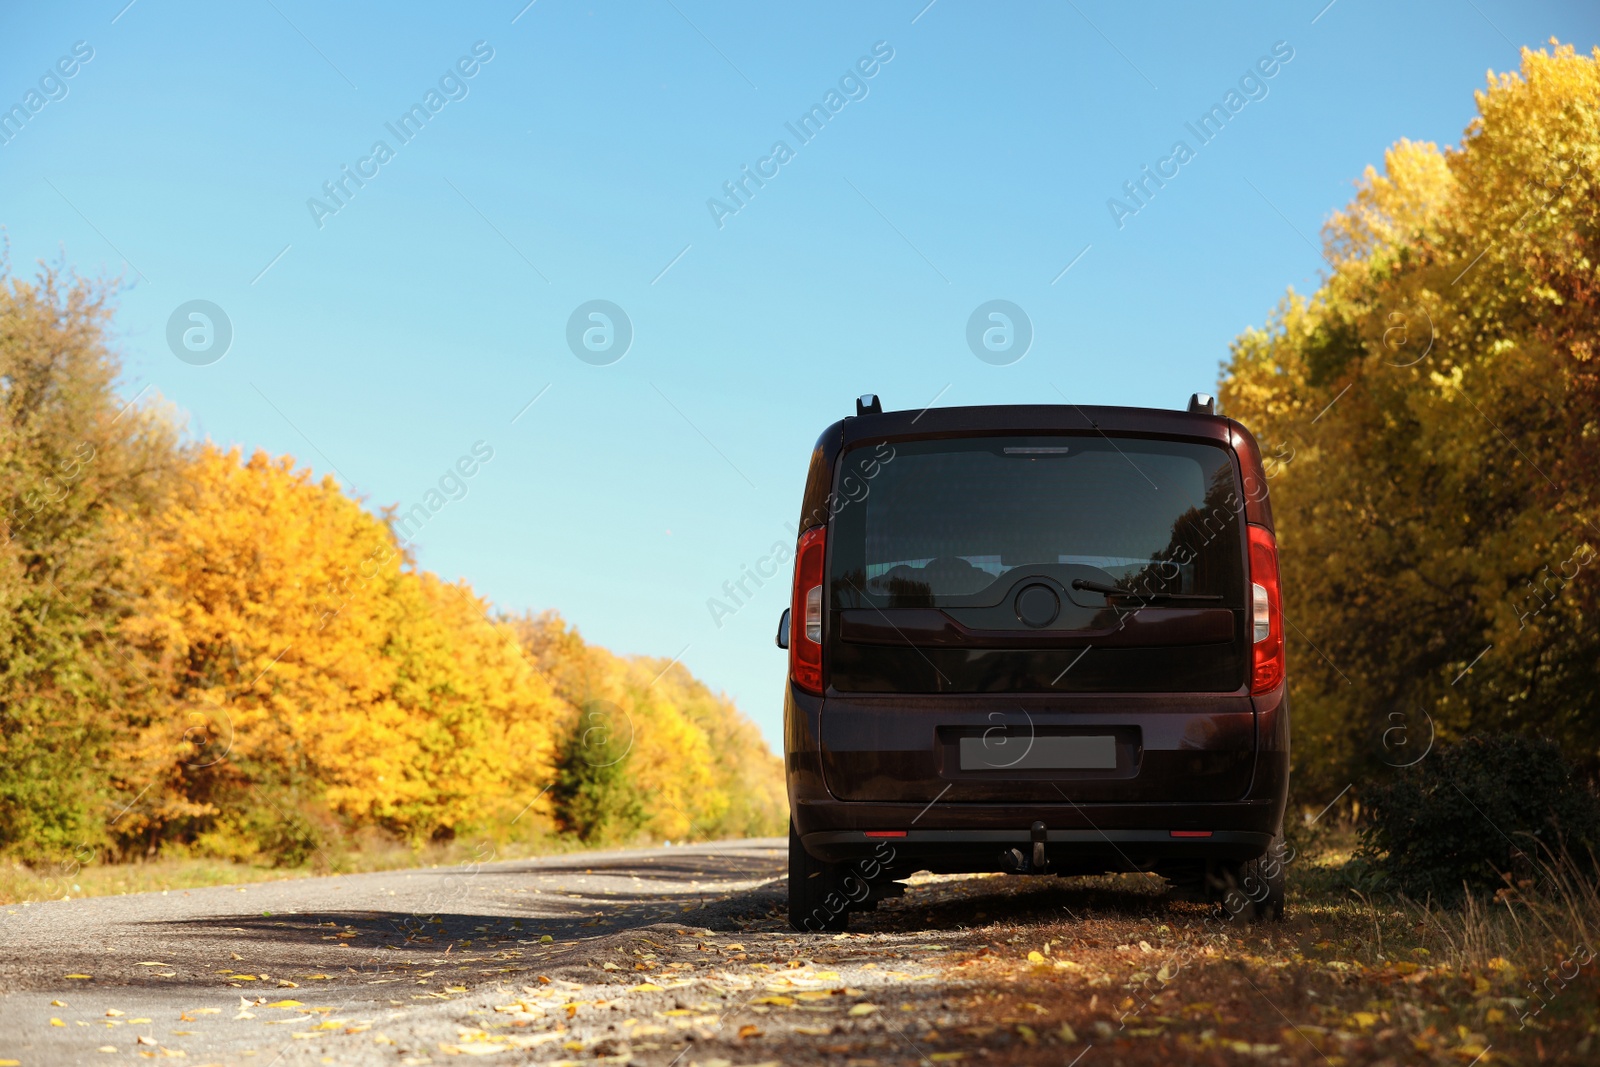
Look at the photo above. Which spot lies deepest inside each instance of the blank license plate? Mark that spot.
(995, 753)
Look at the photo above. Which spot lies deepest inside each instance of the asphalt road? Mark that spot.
(671, 955)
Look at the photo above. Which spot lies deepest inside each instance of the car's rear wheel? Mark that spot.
(1253, 890)
(816, 894)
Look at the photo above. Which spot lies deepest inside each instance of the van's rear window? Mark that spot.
(957, 522)
(946, 519)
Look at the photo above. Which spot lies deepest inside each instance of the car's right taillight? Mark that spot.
(805, 628)
(1266, 602)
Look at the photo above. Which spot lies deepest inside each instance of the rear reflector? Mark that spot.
(1191, 833)
(885, 833)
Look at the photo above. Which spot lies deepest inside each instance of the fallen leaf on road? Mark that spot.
(863, 1009)
(106, 1048)
(58, 1003)
(284, 1004)
(153, 963)
(473, 1048)
(142, 1040)
(57, 1022)
(112, 1013)
(777, 1002)
(88, 976)
(1248, 1049)
(643, 987)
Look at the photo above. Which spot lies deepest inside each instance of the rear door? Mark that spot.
(1014, 612)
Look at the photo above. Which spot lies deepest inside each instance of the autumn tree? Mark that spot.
(653, 752)
(308, 668)
(75, 462)
(220, 654)
(1432, 413)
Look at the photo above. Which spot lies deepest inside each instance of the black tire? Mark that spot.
(1254, 890)
(817, 902)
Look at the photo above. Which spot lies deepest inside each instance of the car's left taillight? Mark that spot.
(1266, 603)
(805, 629)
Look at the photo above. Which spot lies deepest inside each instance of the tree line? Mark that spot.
(1431, 413)
(208, 653)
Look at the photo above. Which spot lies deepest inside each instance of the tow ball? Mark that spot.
(1015, 861)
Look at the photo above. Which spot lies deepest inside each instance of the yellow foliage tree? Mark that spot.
(655, 753)
(307, 665)
(1431, 412)
(209, 652)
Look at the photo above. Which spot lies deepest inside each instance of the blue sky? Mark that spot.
(384, 340)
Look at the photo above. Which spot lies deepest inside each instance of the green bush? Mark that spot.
(1476, 813)
(596, 797)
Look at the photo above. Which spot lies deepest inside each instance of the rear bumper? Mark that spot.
(951, 824)
(1069, 851)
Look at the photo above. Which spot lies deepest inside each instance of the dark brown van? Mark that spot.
(1042, 639)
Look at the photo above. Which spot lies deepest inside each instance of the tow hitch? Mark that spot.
(1015, 861)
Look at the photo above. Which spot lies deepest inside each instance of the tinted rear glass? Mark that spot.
(957, 525)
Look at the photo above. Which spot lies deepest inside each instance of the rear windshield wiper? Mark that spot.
(1112, 590)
